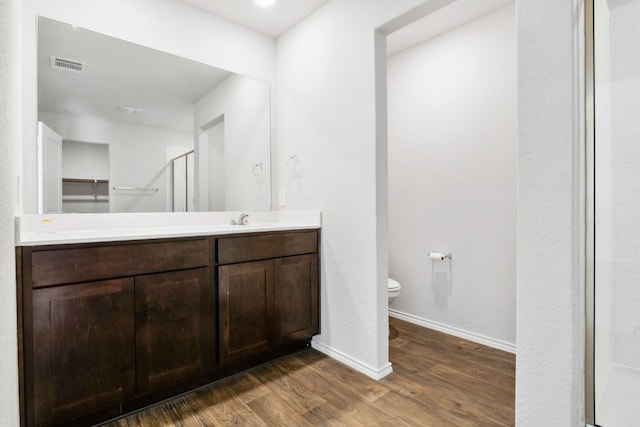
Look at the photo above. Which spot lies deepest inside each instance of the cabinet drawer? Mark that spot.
(251, 248)
(60, 266)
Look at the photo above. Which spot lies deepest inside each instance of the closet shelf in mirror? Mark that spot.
(85, 180)
(85, 198)
(85, 190)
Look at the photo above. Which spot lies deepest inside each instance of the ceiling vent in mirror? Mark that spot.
(67, 64)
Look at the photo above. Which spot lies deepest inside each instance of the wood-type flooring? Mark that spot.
(438, 380)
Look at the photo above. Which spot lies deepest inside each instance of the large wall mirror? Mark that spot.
(126, 128)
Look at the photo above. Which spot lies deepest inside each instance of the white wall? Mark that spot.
(10, 136)
(327, 117)
(136, 157)
(550, 295)
(245, 105)
(452, 106)
(168, 25)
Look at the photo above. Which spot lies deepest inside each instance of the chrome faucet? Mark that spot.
(243, 219)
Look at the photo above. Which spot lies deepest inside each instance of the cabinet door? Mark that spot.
(174, 328)
(83, 349)
(296, 297)
(245, 295)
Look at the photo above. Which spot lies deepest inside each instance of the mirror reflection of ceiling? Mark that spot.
(118, 73)
(272, 21)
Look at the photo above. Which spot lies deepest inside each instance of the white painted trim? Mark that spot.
(460, 333)
(376, 374)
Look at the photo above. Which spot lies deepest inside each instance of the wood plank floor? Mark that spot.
(438, 380)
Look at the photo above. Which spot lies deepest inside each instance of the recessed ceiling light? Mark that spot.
(265, 3)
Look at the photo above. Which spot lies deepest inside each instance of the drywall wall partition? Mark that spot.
(452, 107)
(327, 119)
(550, 297)
(10, 136)
(168, 25)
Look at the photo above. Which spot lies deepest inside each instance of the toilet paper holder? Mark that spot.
(439, 256)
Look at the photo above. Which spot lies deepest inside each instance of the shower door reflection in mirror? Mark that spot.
(617, 213)
(182, 182)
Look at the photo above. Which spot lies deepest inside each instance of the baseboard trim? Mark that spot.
(460, 333)
(376, 374)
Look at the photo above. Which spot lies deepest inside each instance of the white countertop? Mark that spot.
(36, 230)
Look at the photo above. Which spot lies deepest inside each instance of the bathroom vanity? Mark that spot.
(108, 327)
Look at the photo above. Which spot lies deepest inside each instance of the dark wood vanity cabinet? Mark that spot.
(83, 354)
(103, 323)
(296, 298)
(267, 292)
(174, 328)
(245, 293)
(106, 328)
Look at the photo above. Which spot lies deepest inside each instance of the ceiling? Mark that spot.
(271, 21)
(445, 19)
(119, 73)
(284, 14)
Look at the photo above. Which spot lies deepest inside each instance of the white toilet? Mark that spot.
(394, 289)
